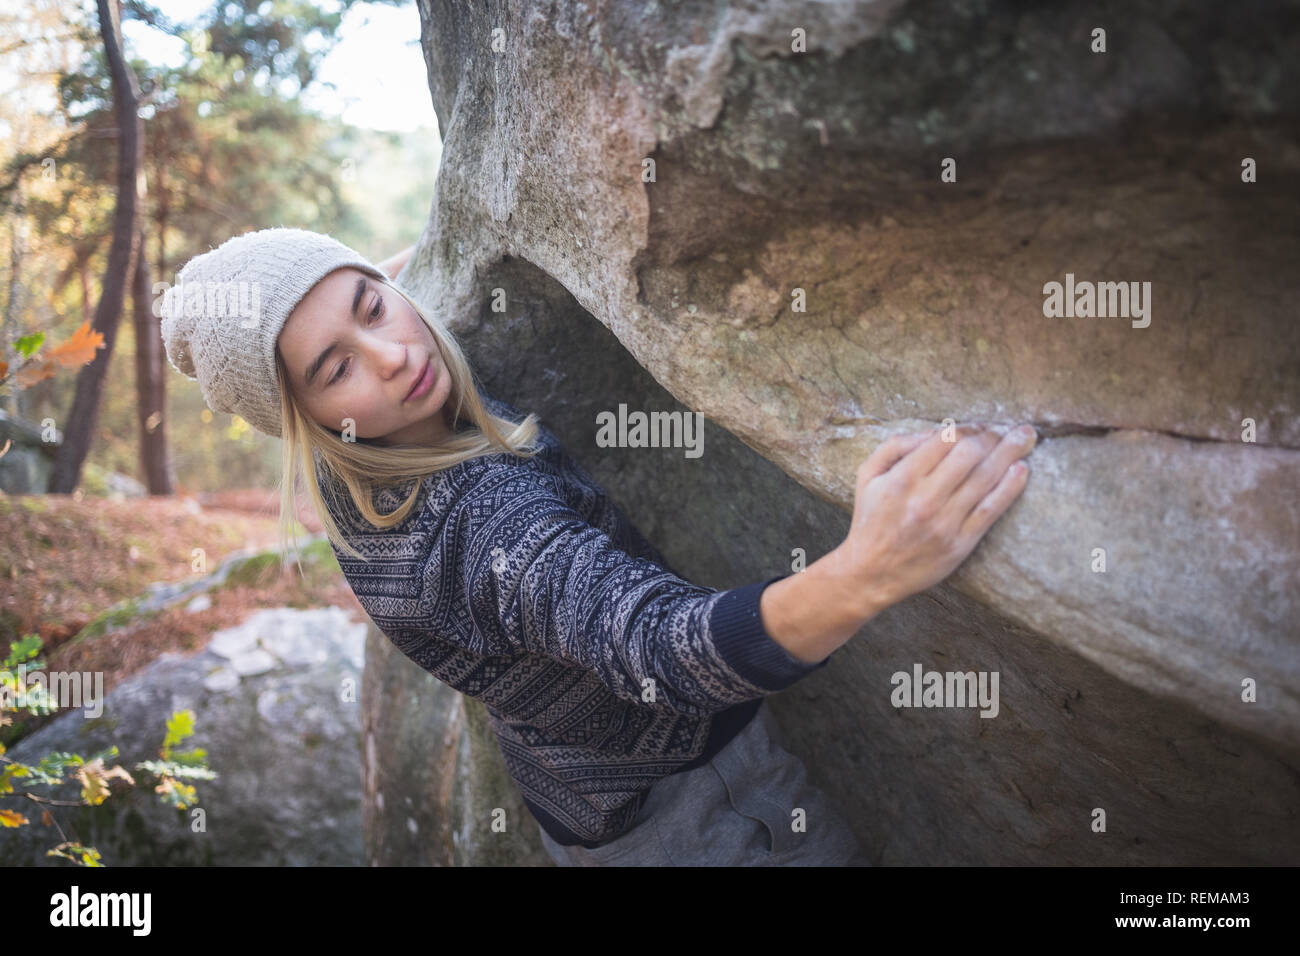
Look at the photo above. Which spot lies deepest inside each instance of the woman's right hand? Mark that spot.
(921, 505)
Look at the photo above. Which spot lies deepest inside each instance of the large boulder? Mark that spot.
(742, 212)
(25, 465)
(276, 703)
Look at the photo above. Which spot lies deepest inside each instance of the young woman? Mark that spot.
(628, 702)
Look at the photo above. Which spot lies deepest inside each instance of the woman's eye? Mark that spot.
(375, 313)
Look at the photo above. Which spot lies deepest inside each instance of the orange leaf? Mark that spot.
(4, 368)
(79, 349)
(29, 375)
(11, 818)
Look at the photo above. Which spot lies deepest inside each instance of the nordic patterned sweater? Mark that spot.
(519, 582)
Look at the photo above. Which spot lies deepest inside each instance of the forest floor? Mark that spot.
(66, 559)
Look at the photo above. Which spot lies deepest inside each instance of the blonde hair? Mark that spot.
(364, 467)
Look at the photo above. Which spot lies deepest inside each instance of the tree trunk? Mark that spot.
(85, 290)
(14, 303)
(150, 383)
(84, 416)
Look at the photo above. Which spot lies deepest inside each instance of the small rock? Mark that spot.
(233, 641)
(297, 649)
(253, 662)
(221, 680)
(200, 603)
(125, 485)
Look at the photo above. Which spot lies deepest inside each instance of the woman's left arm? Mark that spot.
(394, 264)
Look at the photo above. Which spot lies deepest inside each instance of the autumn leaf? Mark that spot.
(8, 773)
(85, 855)
(94, 780)
(4, 368)
(80, 348)
(12, 818)
(93, 789)
(29, 375)
(181, 794)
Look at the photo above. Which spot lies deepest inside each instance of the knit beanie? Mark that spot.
(221, 320)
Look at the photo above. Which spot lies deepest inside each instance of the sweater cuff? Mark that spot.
(741, 640)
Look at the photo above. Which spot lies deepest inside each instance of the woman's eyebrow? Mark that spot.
(320, 359)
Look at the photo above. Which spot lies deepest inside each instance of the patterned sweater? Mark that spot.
(519, 582)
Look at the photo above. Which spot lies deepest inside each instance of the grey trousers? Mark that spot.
(751, 805)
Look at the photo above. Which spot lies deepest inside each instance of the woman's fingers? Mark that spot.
(955, 467)
(904, 536)
(926, 455)
(981, 518)
(887, 454)
(985, 476)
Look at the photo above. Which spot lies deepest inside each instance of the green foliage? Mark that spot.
(54, 765)
(92, 773)
(180, 726)
(16, 698)
(176, 766)
(22, 650)
(29, 345)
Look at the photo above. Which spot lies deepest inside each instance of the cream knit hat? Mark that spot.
(221, 320)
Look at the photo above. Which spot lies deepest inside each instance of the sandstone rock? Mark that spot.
(783, 177)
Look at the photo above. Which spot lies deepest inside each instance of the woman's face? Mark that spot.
(354, 349)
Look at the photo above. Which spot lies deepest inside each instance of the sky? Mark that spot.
(394, 98)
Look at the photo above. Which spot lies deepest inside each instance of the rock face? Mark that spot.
(25, 467)
(434, 779)
(744, 213)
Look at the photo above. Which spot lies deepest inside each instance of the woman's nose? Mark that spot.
(390, 357)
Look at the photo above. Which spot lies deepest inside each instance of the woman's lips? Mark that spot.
(423, 383)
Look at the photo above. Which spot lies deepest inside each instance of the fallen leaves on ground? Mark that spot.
(64, 560)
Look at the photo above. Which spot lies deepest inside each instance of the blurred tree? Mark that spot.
(35, 41)
(227, 147)
(123, 249)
